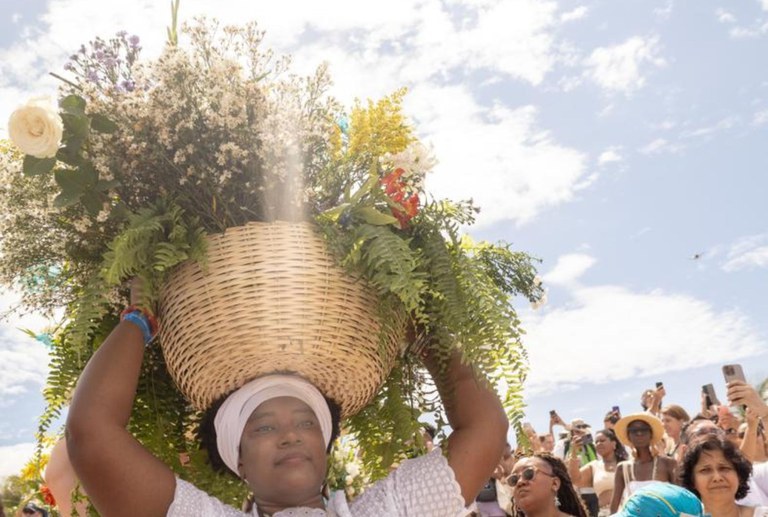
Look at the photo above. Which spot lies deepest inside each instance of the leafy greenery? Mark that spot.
(155, 157)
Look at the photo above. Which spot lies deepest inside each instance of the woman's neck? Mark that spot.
(609, 458)
(267, 508)
(548, 509)
(722, 508)
(644, 454)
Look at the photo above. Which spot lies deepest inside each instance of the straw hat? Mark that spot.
(657, 428)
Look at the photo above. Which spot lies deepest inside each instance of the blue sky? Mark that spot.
(613, 139)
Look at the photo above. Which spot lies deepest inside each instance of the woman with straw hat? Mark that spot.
(641, 432)
(274, 434)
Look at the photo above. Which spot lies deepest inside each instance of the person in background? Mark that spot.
(60, 478)
(547, 443)
(673, 417)
(752, 436)
(495, 498)
(651, 400)
(611, 417)
(555, 420)
(700, 428)
(541, 488)
(32, 510)
(662, 500)
(742, 394)
(714, 469)
(579, 452)
(600, 473)
(642, 432)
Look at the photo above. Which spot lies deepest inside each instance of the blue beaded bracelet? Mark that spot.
(140, 320)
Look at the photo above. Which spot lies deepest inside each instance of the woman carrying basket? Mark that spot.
(274, 433)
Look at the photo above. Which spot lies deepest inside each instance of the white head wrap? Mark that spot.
(237, 408)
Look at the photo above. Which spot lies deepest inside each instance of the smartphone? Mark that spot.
(616, 410)
(733, 372)
(709, 393)
(587, 439)
(659, 384)
(552, 413)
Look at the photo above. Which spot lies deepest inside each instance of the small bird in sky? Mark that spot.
(697, 256)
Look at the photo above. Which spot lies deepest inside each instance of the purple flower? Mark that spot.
(122, 34)
(127, 85)
(93, 77)
(134, 41)
(69, 67)
(110, 62)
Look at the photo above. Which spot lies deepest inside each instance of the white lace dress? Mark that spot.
(420, 487)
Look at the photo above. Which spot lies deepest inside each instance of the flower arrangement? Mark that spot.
(143, 159)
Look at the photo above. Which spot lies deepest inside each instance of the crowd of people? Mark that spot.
(716, 458)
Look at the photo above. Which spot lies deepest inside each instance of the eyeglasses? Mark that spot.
(581, 426)
(639, 430)
(527, 475)
(731, 431)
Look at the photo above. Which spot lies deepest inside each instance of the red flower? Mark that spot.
(396, 190)
(47, 495)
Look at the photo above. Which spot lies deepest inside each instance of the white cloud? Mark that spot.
(724, 16)
(14, 457)
(569, 268)
(721, 125)
(610, 155)
(760, 118)
(747, 253)
(659, 146)
(665, 12)
(764, 4)
(23, 360)
(619, 68)
(575, 14)
(629, 334)
(497, 156)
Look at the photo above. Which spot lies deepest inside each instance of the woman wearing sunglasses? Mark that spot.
(641, 432)
(541, 488)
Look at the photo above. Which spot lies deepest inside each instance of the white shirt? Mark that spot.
(422, 487)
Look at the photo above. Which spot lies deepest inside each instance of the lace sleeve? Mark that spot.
(190, 501)
(421, 487)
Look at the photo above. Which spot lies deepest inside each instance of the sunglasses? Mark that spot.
(639, 430)
(581, 426)
(526, 475)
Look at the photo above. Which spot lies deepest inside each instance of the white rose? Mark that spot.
(36, 128)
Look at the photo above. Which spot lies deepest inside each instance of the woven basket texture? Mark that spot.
(271, 299)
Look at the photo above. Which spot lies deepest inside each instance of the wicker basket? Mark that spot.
(272, 300)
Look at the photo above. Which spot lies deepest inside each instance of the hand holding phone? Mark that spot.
(709, 393)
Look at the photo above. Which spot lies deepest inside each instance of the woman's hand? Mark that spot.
(741, 393)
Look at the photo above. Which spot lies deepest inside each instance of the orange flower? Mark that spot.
(47, 495)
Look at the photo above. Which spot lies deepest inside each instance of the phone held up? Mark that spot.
(733, 372)
(709, 394)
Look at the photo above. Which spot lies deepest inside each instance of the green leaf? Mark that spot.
(102, 124)
(37, 166)
(367, 186)
(69, 155)
(105, 185)
(92, 202)
(334, 213)
(66, 198)
(71, 181)
(89, 173)
(374, 217)
(73, 104)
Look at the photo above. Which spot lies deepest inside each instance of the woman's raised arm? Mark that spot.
(478, 421)
(119, 475)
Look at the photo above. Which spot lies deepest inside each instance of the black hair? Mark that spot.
(206, 432)
(429, 429)
(685, 430)
(620, 452)
(732, 454)
(570, 500)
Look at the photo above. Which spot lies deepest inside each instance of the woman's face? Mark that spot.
(537, 492)
(671, 425)
(282, 453)
(640, 434)
(604, 445)
(715, 477)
